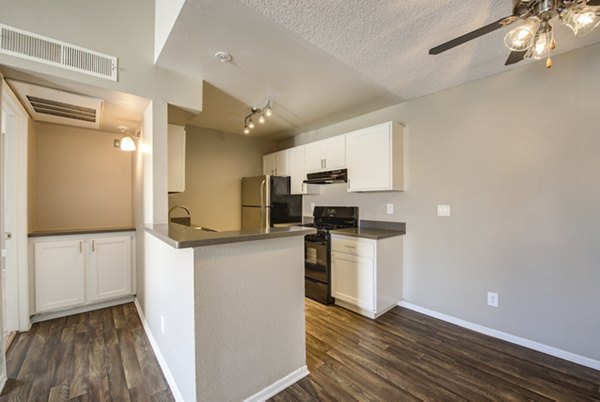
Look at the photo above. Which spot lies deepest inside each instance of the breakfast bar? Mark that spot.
(227, 309)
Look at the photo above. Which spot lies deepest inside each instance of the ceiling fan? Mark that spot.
(533, 37)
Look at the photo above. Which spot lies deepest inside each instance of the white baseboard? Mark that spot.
(540, 347)
(77, 310)
(279, 385)
(161, 360)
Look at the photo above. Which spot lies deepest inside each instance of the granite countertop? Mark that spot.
(66, 232)
(374, 230)
(180, 236)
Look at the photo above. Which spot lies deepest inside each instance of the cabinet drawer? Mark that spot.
(353, 247)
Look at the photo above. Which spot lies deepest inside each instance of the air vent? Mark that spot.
(30, 46)
(60, 107)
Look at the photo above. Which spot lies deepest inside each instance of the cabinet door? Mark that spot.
(59, 274)
(335, 153)
(110, 268)
(269, 164)
(282, 163)
(352, 280)
(371, 170)
(314, 157)
(176, 162)
(297, 170)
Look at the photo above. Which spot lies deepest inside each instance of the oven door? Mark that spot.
(315, 260)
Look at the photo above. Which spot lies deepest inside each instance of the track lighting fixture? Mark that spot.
(262, 112)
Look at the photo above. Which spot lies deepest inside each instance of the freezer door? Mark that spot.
(255, 191)
(254, 218)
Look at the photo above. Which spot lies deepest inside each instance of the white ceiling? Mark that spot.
(119, 109)
(322, 61)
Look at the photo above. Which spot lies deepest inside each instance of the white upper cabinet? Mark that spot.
(298, 172)
(375, 158)
(277, 164)
(176, 155)
(328, 154)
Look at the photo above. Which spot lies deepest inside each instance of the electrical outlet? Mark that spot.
(443, 210)
(162, 324)
(492, 299)
(390, 209)
(312, 207)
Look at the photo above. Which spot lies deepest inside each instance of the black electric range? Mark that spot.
(317, 249)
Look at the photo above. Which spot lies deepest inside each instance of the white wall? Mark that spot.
(169, 280)
(124, 29)
(517, 158)
(165, 15)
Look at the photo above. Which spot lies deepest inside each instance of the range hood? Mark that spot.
(328, 177)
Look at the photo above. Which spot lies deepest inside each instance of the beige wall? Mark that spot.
(82, 181)
(31, 176)
(517, 157)
(215, 163)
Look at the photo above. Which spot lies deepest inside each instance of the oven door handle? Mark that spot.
(321, 243)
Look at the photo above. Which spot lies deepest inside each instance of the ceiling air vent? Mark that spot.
(31, 46)
(60, 107)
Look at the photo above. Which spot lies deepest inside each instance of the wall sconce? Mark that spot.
(128, 142)
(263, 111)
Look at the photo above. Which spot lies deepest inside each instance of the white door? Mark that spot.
(269, 164)
(2, 258)
(352, 280)
(315, 161)
(297, 171)
(369, 170)
(110, 268)
(59, 274)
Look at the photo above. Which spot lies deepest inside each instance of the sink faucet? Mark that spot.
(186, 209)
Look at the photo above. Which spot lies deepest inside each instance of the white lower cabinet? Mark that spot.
(366, 274)
(110, 268)
(73, 271)
(59, 274)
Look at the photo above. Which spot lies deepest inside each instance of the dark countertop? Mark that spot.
(180, 236)
(374, 230)
(368, 233)
(65, 232)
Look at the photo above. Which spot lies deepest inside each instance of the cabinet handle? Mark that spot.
(347, 246)
(93, 246)
(80, 246)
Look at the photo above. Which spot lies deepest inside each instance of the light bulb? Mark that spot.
(522, 37)
(269, 112)
(542, 45)
(127, 144)
(261, 119)
(251, 124)
(581, 19)
(246, 130)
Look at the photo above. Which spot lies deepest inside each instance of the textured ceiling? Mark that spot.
(322, 61)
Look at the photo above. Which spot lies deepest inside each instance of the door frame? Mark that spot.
(11, 105)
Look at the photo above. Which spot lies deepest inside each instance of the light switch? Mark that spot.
(390, 209)
(443, 210)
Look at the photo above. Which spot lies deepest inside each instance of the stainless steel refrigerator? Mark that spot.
(266, 202)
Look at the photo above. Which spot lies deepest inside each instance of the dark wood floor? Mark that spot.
(405, 355)
(102, 355)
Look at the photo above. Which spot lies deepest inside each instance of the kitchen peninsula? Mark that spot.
(227, 309)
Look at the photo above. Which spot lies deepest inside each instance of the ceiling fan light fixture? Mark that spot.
(541, 48)
(582, 19)
(522, 37)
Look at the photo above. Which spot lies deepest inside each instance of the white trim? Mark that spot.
(161, 360)
(540, 347)
(10, 103)
(2, 382)
(82, 309)
(279, 385)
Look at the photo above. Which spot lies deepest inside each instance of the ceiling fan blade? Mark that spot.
(515, 57)
(593, 3)
(473, 34)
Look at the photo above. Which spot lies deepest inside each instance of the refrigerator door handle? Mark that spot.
(263, 186)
